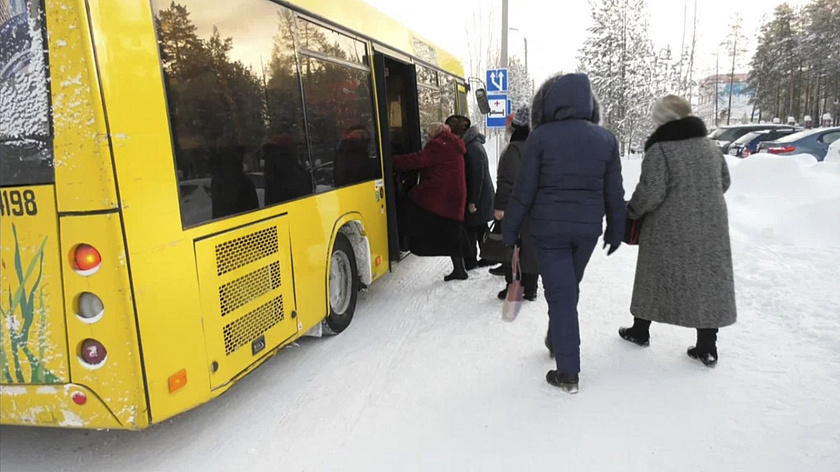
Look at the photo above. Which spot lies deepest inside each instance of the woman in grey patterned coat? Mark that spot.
(684, 273)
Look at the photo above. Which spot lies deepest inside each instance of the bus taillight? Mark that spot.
(93, 353)
(91, 308)
(87, 260)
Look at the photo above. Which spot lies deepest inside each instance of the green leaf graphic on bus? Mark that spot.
(18, 317)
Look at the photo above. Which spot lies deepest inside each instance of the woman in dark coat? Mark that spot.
(570, 178)
(436, 215)
(480, 193)
(684, 274)
(509, 165)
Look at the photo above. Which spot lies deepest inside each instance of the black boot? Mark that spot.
(498, 271)
(530, 282)
(503, 294)
(566, 382)
(638, 334)
(706, 349)
(459, 272)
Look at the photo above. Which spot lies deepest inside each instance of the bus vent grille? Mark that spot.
(251, 326)
(235, 294)
(239, 252)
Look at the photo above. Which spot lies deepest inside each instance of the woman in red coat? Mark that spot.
(436, 226)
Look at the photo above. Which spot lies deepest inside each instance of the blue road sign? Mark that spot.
(497, 80)
(499, 110)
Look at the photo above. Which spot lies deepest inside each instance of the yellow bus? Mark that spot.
(187, 186)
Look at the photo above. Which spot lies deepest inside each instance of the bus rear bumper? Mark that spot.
(60, 405)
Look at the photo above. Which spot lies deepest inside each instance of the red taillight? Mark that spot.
(86, 259)
(79, 398)
(93, 352)
(745, 153)
(781, 149)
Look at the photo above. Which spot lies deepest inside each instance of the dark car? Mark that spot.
(726, 135)
(748, 144)
(813, 141)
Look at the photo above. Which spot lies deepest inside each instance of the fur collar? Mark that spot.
(686, 128)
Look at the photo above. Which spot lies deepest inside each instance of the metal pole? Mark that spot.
(504, 33)
(526, 54)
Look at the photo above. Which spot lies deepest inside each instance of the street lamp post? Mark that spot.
(525, 39)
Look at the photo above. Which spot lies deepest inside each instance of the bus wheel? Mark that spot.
(343, 287)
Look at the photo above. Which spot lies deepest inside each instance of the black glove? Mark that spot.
(613, 247)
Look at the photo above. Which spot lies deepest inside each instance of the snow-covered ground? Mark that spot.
(428, 377)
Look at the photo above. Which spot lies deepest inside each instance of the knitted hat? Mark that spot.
(807, 118)
(522, 117)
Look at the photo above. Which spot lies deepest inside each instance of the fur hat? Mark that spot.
(670, 108)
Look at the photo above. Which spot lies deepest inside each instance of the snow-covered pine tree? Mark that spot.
(519, 83)
(626, 72)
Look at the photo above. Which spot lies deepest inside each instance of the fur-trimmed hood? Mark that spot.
(564, 97)
(679, 130)
(474, 134)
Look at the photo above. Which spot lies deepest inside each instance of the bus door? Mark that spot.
(396, 83)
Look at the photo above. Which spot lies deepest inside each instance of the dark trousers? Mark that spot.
(476, 235)
(706, 337)
(529, 281)
(563, 260)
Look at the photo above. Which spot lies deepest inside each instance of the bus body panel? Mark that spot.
(83, 169)
(33, 340)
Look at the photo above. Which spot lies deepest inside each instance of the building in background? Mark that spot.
(713, 100)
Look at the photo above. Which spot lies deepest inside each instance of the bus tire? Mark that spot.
(343, 288)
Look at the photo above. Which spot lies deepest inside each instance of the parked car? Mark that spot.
(747, 144)
(726, 135)
(813, 141)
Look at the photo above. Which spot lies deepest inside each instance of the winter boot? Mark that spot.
(629, 334)
(706, 349)
(459, 272)
(638, 334)
(566, 382)
(708, 357)
(498, 271)
(487, 263)
(503, 294)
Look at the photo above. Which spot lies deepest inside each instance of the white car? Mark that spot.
(833, 152)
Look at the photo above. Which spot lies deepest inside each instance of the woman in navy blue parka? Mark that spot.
(569, 180)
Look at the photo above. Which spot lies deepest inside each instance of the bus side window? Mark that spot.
(339, 107)
(234, 107)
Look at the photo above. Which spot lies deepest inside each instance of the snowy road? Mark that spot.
(428, 378)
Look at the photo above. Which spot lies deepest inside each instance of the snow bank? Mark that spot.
(794, 201)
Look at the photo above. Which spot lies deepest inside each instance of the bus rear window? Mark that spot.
(26, 155)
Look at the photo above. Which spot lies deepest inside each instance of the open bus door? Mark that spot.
(396, 83)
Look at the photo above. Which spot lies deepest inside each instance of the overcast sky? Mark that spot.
(556, 29)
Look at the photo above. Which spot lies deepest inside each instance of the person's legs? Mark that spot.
(459, 272)
(508, 280)
(471, 257)
(558, 273)
(530, 283)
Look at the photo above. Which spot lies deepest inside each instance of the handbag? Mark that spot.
(515, 292)
(493, 245)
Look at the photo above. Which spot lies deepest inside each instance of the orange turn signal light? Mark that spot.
(378, 261)
(178, 381)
